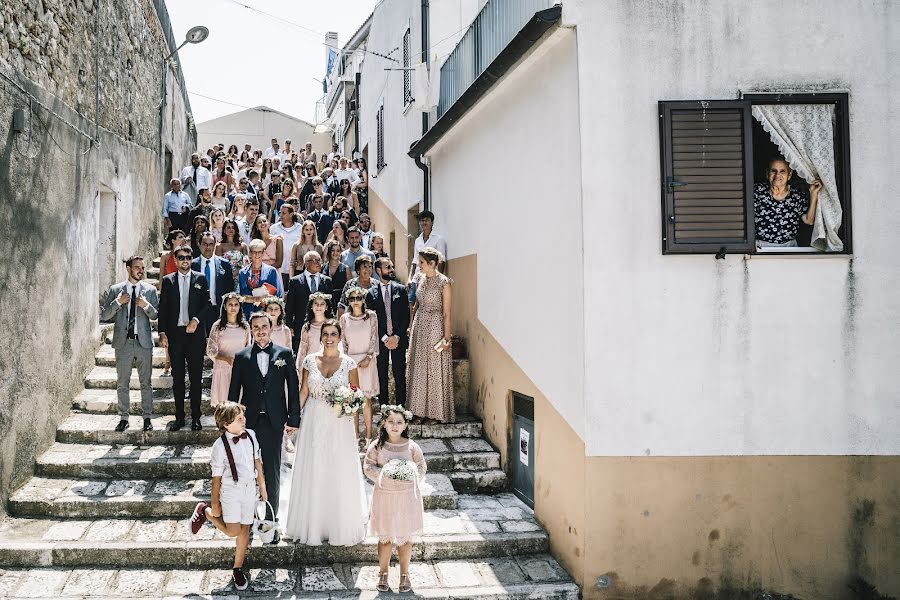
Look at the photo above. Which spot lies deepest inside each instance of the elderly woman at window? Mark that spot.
(779, 207)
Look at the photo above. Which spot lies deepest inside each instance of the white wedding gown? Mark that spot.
(328, 497)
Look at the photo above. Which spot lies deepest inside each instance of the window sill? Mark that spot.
(805, 252)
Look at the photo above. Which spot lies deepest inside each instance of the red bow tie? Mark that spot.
(238, 438)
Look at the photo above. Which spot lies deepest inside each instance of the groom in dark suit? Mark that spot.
(183, 308)
(258, 379)
(390, 302)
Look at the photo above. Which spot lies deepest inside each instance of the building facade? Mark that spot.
(80, 173)
(257, 126)
(710, 418)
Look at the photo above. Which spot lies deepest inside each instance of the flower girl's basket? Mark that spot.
(263, 528)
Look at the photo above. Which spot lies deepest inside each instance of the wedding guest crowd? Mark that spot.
(274, 271)
(226, 260)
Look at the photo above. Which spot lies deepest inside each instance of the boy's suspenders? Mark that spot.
(231, 456)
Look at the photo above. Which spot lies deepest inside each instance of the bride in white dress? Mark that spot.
(328, 497)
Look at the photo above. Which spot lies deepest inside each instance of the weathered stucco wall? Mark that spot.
(559, 486)
(725, 527)
(766, 356)
(69, 211)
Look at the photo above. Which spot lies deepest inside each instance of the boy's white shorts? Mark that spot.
(238, 501)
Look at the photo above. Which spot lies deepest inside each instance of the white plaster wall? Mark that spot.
(400, 183)
(258, 127)
(501, 199)
(687, 355)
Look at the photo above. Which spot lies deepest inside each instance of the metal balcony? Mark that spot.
(494, 27)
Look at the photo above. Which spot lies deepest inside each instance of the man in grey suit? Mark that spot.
(133, 304)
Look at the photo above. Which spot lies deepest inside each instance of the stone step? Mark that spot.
(480, 526)
(106, 357)
(92, 498)
(153, 272)
(156, 261)
(96, 422)
(126, 461)
(529, 576)
(105, 378)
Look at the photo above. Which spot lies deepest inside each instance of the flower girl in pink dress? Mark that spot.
(396, 466)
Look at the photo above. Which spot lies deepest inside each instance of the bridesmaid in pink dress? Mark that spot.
(228, 336)
(360, 337)
(281, 334)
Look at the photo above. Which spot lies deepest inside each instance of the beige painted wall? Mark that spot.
(689, 527)
(683, 526)
(559, 453)
(385, 223)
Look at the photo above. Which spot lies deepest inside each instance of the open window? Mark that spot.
(715, 158)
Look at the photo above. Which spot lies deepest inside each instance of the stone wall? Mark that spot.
(70, 209)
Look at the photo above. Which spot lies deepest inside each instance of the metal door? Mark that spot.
(522, 448)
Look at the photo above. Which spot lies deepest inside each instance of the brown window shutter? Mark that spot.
(707, 177)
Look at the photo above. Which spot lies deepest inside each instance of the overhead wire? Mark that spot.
(319, 34)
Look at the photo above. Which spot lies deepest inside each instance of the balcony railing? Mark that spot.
(494, 27)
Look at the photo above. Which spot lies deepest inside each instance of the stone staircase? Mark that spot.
(106, 515)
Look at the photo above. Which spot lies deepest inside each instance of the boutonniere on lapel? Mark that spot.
(221, 271)
(280, 363)
(197, 285)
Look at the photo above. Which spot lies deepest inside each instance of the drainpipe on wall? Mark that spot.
(356, 97)
(426, 199)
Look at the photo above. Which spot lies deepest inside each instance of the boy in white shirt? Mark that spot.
(237, 484)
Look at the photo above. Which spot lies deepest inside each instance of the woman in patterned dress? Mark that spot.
(429, 370)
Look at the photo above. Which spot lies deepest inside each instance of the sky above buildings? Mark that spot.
(252, 59)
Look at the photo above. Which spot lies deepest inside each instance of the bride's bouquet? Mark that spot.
(346, 399)
(400, 470)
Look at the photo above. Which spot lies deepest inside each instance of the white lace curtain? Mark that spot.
(804, 134)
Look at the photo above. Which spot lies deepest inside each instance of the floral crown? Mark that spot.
(320, 296)
(273, 300)
(356, 291)
(386, 408)
(231, 295)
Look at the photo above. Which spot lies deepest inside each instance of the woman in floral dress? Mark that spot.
(429, 370)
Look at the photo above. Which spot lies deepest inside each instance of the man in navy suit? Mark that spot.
(323, 219)
(218, 274)
(184, 306)
(390, 302)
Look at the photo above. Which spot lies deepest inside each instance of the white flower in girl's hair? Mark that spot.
(280, 363)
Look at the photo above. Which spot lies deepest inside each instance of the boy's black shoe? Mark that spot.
(240, 580)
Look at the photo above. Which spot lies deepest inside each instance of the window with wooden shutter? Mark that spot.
(379, 134)
(707, 177)
(407, 69)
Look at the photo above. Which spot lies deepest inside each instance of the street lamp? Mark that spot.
(195, 35)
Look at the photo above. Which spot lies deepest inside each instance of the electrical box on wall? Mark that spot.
(20, 121)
